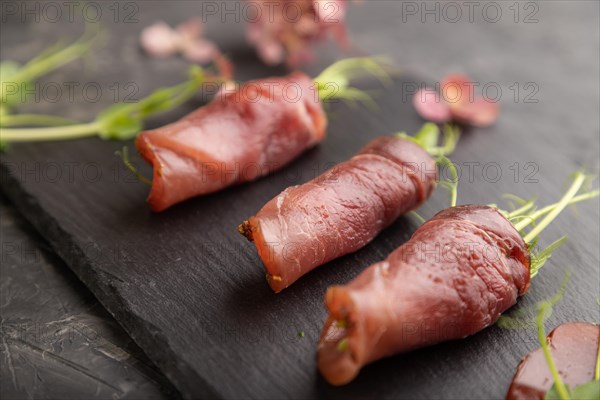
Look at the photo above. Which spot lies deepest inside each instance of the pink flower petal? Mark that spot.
(340, 34)
(225, 67)
(330, 11)
(306, 26)
(191, 29)
(457, 88)
(277, 37)
(253, 32)
(480, 113)
(159, 40)
(201, 51)
(303, 55)
(430, 106)
(270, 52)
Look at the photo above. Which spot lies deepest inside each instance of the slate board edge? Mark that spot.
(179, 372)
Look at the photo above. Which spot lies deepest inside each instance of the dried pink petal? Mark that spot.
(296, 58)
(271, 52)
(159, 40)
(330, 11)
(307, 26)
(431, 106)
(200, 51)
(224, 66)
(465, 106)
(340, 35)
(294, 25)
(253, 33)
(457, 88)
(480, 112)
(191, 29)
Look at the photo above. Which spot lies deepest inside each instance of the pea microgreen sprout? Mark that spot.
(428, 138)
(21, 77)
(527, 215)
(522, 318)
(120, 121)
(334, 81)
(560, 390)
(544, 309)
(597, 372)
(8, 120)
(124, 155)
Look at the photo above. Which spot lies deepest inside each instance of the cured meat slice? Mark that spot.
(241, 135)
(340, 211)
(574, 349)
(454, 277)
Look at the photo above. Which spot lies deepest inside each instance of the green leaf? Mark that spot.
(539, 259)
(552, 393)
(429, 135)
(334, 81)
(523, 317)
(121, 127)
(452, 183)
(8, 69)
(160, 100)
(10, 88)
(114, 111)
(590, 390)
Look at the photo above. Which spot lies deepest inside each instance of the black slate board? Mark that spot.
(57, 340)
(191, 291)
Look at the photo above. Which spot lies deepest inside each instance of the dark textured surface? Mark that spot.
(191, 292)
(57, 340)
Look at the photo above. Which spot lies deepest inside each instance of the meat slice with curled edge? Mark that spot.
(241, 135)
(341, 210)
(454, 277)
(574, 349)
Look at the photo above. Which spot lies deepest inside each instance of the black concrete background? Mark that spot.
(553, 60)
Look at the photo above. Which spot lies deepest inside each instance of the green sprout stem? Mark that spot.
(554, 210)
(521, 210)
(543, 211)
(523, 316)
(49, 133)
(53, 59)
(539, 258)
(560, 386)
(334, 81)
(428, 138)
(34, 119)
(120, 121)
(124, 154)
(452, 183)
(342, 345)
(451, 137)
(597, 372)
(418, 217)
(527, 215)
